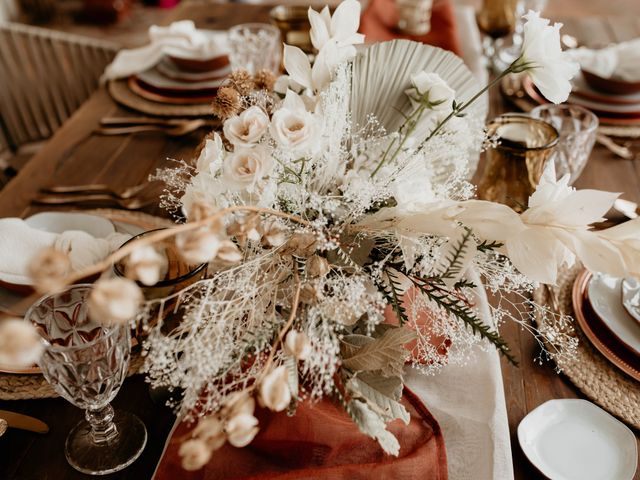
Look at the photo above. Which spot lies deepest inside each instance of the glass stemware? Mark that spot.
(86, 364)
(506, 56)
(254, 46)
(496, 19)
(515, 164)
(577, 127)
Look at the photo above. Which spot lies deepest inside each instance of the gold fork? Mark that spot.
(93, 200)
(97, 188)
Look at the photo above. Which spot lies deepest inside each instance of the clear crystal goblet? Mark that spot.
(577, 127)
(86, 363)
(254, 46)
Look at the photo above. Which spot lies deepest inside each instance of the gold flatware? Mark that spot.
(23, 422)
(613, 147)
(125, 193)
(173, 131)
(3, 426)
(134, 203)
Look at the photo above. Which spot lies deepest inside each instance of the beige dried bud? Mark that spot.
(264, 79)
(237, 403)
(309, 294)
(195, 454)
(229, 252)
(247, 228)
(273, 234)
(114, 301)
(274, 389)
(20, 343)
(242, 81)
(147, 265)
(226, 103)
(211, 431)
(241, 429)
(317, 266)
(297, 344)
(48, 269)
(201, 210)
(198, 246)
(301, 245)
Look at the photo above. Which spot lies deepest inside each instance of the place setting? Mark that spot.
(360, 264)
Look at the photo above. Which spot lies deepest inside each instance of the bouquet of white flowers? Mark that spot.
(335, 213)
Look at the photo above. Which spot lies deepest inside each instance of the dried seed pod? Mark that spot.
(195, 454)
(48, 269)
(264, 79)
(20, 343)
(211, 431)
(241, 429)
(273, 234)
(198, 246)
(274, 389)
(309, 294)
(226, 103)
(301, 245)
(297, 344)
(242, 81)
(146, 265)
(114, 301)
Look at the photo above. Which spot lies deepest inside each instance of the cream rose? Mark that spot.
(294, 128)
(439, 92)
(247, 128)
(542, 58)
(244, 167)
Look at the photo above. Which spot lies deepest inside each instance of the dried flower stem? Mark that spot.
(170, 232)
(280, 338)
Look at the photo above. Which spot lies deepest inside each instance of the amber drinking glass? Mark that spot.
(496, 19)
(515, 164)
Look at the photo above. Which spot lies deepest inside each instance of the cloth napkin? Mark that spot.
(320, 442)
(19, 242)
(621, 60)
(379, 23)
(180, 39)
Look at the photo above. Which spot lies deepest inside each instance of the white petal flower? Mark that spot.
(439, 92)
(297, 344)
(146, 265)
(549, 67)
(211, 156)
(241, 429)
(247, 128)
(284, 83)
(20, 344)
(195, 454)
(294, 128)
(342, 28)
(198, 246)
(114, 301)
(244, 167)
(274, 389)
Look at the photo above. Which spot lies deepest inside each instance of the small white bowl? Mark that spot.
(60, 222)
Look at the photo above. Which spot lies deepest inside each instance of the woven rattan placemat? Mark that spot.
(589, 370)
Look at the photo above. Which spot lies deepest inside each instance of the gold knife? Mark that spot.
(24, 422)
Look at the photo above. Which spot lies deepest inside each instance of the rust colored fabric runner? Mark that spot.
(321, 442)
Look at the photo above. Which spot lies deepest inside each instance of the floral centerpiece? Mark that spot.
(343, 239)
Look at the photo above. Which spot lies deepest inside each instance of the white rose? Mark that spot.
(438, 90)
(542, 58)
(247, 128)
(243, 168)
(211, 156)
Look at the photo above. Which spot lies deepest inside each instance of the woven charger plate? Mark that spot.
(121, 93)
(589, 370)
(23, 387)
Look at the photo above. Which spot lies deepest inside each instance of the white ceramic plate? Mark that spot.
(605, 296)
(576, 440)
(631, 297)
(60, 222)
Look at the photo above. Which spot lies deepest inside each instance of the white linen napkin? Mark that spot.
(19, 242)
(180, 39)
(621, 61)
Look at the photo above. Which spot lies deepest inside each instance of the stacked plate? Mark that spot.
(181, 81)
(605, 310)
(612, 109)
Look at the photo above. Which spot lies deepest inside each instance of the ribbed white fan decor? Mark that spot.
(382, 72)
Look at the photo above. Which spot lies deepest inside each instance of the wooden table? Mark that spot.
(76, 156)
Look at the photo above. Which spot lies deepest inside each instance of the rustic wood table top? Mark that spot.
(75, 155)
